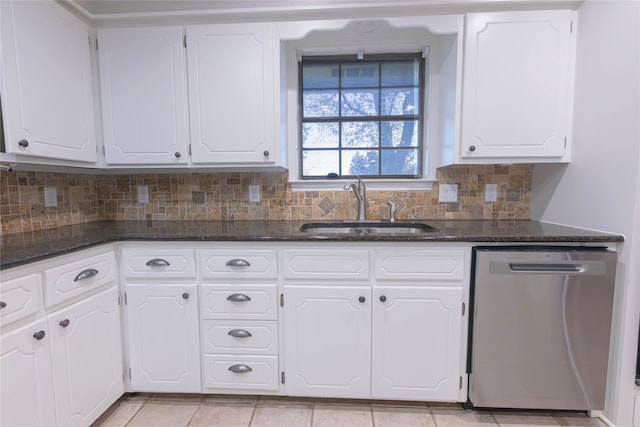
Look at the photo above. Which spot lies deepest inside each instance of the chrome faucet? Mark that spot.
(361, 195)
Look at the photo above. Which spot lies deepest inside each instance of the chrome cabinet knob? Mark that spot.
(266, 153)
(362, 299)
(23, 143)
(383, 298)
(39, 335)
(178, 155)
(64, 323)
(185, 295)
(3, 304)
(472, 148)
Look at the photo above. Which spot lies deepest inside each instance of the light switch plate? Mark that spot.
(50, 197)
(491, 192)
(448, 193)
(143, 194)
(254, 193)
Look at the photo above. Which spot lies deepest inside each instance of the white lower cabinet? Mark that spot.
(164, 349)
(86, 353)
(327, 341)
(416, 343)
(26, 382)
(393, 331)
(60, 366)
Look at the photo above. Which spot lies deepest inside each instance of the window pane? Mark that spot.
(320, 103)
(316, 76)
(400, 133)
(359, 102)
(320, 135)
(360, 162)
(400, 73)
(320, 163)
(399, 102)
(360, 75)
(400, 162)
(360, 134)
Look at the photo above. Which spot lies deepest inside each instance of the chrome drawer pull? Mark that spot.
(238, 262)
(240, 333)
(240, 369)
(89, 272)
(158, 262)
(238, 298)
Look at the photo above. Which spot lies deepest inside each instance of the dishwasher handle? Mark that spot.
(589, 268)
(525, 267)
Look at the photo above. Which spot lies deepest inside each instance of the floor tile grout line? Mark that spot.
(253, 413)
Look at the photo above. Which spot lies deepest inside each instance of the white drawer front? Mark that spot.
(239, 302)
(326, 264)
(237, 337)
(76, 278)
(254, 372)
(158, 263)
(19, 298)
(427, 264)
(238, 264)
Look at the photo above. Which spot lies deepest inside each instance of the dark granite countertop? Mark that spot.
(21, 248)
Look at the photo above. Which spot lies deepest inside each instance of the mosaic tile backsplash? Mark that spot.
(224, 196)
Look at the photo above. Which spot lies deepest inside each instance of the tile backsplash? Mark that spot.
(215, 196)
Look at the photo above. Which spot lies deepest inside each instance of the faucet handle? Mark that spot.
(392, 211)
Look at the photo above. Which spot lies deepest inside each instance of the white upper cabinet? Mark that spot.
(47, 89)
(144, 96)
(231, 94)
(517, 87)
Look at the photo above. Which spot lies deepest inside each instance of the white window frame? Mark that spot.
(292, 51)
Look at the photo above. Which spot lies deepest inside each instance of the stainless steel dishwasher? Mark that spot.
(541, 325)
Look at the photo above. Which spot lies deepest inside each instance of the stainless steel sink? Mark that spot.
(367, 228)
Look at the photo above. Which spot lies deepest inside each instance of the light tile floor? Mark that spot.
(172, 410)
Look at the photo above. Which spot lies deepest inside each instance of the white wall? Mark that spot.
(599, 189)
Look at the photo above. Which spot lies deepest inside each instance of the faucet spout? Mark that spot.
(360, 192)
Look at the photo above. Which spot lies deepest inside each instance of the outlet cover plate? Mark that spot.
(448, 193)
(491, 192)
(50, 197)
(254, 193)
(143, 194)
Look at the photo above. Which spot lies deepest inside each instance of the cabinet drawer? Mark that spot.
(239, 302)
(427, 264)
(326, 264)
(158, 263)
(236, 337)
(237, 264)
(76, 278)
(19, 298)
(252, 372)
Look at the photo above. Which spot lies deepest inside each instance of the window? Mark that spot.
(361, 116)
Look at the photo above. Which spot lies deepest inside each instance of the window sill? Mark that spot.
(372, 184)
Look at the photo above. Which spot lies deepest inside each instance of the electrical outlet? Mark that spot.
(254, 193)
(50, 197)
(491, 192)
(448, 193)
(143, 194)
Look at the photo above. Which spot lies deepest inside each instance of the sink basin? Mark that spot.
(366, 228)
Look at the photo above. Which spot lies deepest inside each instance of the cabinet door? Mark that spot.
(87, 358)
(164, 349)
(144, 95)
(517, 84)
(48, 100)
(416, 343)
(328, 341)
(231, 93)
(26, 385)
